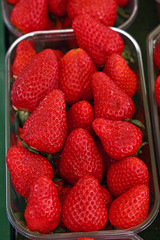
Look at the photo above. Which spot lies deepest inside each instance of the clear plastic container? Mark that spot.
(152, 40)
(61, 40)
(131, 7)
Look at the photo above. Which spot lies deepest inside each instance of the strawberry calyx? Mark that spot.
(20, 218)
(139, 150)
(127, 55)
(123, 13)
(136, 122)
(19, 119)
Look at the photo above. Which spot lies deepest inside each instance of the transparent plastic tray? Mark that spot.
(61, 40)
(152, 40)
(132, 8)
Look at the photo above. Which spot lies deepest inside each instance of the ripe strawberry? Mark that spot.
(122, 3)
(86, 238)
(156, 55)
(24, 53)
(80, 115)
(30, 15)
(36, 80)
(97, 39)
(80, 156)
(76, 68)
(110, 101)
(108, 198)
(119, 138)
(57, 7)
(25, 167)
(157, 90)
(46, 128)
(117, 68)
(13, 1)
(131, 208)
(107, 160)
(125, 174)
(59, 54)
(43, 209)
(84, 207)
(62, 193)
(104, 11)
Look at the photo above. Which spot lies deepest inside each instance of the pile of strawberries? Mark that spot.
(79, 129)
(35, 15)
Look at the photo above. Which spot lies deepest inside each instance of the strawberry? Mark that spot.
(80, 115)
(157, 90)
(108, 198)
(122, 3)
(76, 68)
(84, 207)
(107, 160)
(57, 7)
(59, 54)
(117, 68)
(131, 208)
(104, 11)
(79, 157)
(13, 2)
(156, 55)
(25, 167)
(110, 101)
(43, 209)
(62, 193)
(97, 39)
(30, 15)
(119, 138)
(125, 174)
(46, 128)
(36, 80)
(24, 53)
(86, 238)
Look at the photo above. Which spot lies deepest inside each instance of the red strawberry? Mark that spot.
(125, 174)
(36, 80)
(59, 54)
(80, 115)
(86, 238)
(30, 15)
(76, 68)
(57, 7)
(110, 101)
(24, 53)
(157, 90)
(97, 39)
(108, 198)
(156, 55)
(25, 167)
(117, 68)
(62, 193)
(80, 156)
(84, 207)
(107, 160)
(13, 1)
(119, 138)
(43, 209)
(122, 3)
(104, 11)
(46, 128)
(131, 208)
